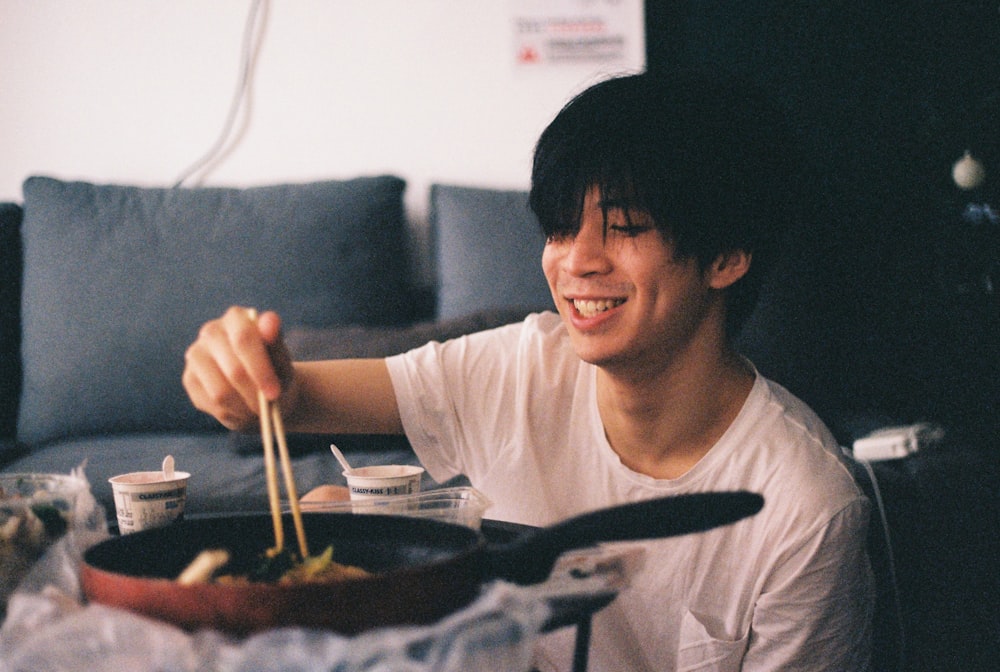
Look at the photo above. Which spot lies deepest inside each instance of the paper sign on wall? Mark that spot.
(554, 32)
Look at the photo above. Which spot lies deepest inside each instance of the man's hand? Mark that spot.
(233, 357)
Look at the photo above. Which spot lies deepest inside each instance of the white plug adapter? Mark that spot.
(894, 442)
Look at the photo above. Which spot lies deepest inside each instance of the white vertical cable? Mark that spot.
(229, 138)
(891, 560)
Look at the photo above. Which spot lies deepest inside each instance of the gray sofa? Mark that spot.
(104, 286)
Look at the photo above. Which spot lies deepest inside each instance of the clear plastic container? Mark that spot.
(35, 511)
(462, 506)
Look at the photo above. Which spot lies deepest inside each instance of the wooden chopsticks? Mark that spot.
(271, 428)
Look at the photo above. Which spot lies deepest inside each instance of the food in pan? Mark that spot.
(283, 568)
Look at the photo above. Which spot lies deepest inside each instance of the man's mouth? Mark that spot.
(590, 308)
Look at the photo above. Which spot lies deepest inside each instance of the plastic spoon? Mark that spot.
(168, 468)
(340, 458)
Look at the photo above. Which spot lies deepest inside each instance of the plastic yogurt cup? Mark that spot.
(147, 499)
(385, 480)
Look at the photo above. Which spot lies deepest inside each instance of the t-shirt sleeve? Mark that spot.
(455, 394)
(416, 410)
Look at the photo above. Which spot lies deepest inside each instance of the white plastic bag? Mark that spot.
(49, 627)
(497, 632)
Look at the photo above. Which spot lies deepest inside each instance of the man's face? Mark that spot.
(624, 297)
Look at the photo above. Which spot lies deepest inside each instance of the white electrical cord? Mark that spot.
(253, 36)
(890, 556)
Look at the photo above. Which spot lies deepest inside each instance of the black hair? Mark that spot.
(706, 157)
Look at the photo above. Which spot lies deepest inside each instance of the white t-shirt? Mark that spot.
(790, 588)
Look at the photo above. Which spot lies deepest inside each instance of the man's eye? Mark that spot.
(629, 230)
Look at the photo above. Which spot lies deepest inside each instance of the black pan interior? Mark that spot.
(377, 543)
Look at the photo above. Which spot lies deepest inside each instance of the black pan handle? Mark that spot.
(530, 558)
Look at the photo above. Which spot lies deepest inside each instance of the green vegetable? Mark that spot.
(271, 568)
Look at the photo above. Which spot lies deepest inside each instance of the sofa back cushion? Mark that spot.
(118, 279)
(488, 247)
(10, 317)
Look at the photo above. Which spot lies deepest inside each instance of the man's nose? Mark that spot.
(587, 251)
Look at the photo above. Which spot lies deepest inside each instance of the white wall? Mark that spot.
(135, 91)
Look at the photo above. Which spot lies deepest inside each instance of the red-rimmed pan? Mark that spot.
(422, 569)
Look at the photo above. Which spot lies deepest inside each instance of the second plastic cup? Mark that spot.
(386, 480)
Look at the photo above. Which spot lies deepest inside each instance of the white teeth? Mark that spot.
(591, 308)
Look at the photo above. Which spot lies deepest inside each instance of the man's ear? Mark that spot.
(728, 267)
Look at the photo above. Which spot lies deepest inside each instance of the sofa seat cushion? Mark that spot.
(117, 280)
(223, 479)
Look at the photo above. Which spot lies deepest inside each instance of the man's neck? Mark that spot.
(662, 424)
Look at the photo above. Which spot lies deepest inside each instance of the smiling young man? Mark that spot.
(661, 200)
(653, 324)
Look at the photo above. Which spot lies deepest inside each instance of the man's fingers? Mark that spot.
(253, 362)
(212, 391)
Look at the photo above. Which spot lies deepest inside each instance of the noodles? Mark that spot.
(280, 568)
(321, 568)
